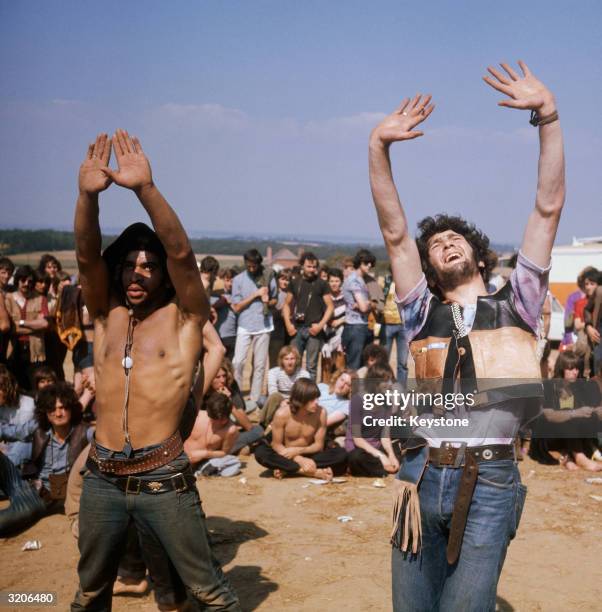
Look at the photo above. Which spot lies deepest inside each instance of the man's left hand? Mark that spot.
(524, 92)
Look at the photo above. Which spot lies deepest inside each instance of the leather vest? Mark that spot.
(78, 440)
(497, 358)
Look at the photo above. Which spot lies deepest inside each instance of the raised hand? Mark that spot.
(134, 171)
(92, 178)
(524, 92)
(400, 124)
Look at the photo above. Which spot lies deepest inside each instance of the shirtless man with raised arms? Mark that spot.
(148, 306)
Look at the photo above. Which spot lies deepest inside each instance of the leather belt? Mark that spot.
(182, 481)
(451, 456)
(468, 457)
(158, 457)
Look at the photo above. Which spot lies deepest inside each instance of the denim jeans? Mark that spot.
(425, 581)
(175, 519)
(398, 333)
(354, 339)
(259, 344)
(303, 340)
(26, 506)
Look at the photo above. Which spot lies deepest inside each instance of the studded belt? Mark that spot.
(158, 457)
(451, 456)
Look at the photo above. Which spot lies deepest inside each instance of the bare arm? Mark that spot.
(229, 439)
(286, 315)
(93, 272)
(528, 93)
(214, 354)
(363, 305)
(4, 316)
(135, 173)
(402, 250)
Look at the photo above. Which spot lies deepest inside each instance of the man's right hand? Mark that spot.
(92, 179)
(593, 334)
(400, 124)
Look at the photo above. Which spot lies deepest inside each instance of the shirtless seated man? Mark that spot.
(213, 437)
(148, 305)
(298, 434)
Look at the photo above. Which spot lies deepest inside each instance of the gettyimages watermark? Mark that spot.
(483, 409)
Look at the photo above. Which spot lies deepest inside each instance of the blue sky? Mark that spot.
(255, 115)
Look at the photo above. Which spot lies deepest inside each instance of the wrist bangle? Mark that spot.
(536, 120)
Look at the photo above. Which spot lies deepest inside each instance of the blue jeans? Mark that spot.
(303, 340)
(398, 333)
(425, 581)
(175, 519)
(354, 339)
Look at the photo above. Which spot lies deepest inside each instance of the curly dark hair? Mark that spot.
(218, 406)
(429, 226)
(44, 261)
(364, 256)
(46, 401)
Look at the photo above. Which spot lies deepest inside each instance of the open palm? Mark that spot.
(134, 171)
(400, 124)
(92, 178)
(524, 92)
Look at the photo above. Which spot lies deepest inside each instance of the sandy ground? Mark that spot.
(283, 548)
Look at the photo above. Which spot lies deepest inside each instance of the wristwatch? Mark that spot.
(22, 323)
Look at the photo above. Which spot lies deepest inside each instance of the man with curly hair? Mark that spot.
(460, 496)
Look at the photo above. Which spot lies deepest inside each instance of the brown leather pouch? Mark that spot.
(58, 486)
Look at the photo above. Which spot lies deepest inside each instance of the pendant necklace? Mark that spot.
(127, 362)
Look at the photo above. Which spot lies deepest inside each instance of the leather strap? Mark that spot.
(450, 456)
(168, 451)
(182, 481)
(461, 507)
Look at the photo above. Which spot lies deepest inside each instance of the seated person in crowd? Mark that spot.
(213, 436)
(371, 452)
(334, 398)
(15, 409)
(59, 436)
(224, 383)
(281, 380)
(566, 431)
(373, 353)
(298, 436)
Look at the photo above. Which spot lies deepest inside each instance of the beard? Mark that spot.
(450, 278)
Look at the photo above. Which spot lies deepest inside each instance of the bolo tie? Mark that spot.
(127, 362)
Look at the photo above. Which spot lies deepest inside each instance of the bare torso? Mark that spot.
(206, 436)
(165, 350)
(300, 430)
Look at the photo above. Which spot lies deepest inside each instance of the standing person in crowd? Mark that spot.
(253, 292)
(208, 269)
(58, 437)
(298, 436)
(279, 336)
(226, 317)
(281, 380)
(307, 309)
(29, 313)
(371, 452)
(146, 299)
(357, 300)
(348, 266)
(5, 329)
(392, 331)
(51, 267)
(593, 319)
(570, 337)
(451, 319)
(7, 267)
(333, 357)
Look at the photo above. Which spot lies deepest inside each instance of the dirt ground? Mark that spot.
(283, 548)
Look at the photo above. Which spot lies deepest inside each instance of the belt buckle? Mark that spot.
(137, 489)
(178, 489)
(446, 455)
